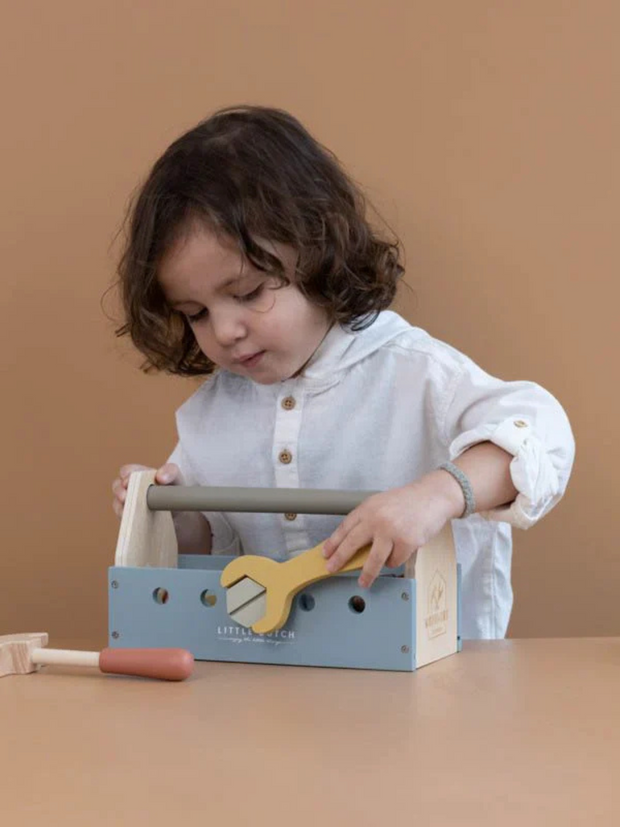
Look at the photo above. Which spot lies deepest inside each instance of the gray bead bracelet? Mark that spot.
(459, 476)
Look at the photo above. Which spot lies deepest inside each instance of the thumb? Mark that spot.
(169, 474)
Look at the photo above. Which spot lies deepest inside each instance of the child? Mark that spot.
(249, 262)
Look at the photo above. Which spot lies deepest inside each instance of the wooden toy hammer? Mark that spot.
(21, 654)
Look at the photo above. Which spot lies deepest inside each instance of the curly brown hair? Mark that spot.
(252, 172)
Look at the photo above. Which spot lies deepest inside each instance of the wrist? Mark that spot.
(448, 491)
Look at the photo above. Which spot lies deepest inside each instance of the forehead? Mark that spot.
(199, 257)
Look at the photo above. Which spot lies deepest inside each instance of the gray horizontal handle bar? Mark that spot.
(259, 500)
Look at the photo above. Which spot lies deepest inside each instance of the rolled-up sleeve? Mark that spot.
(526, 421)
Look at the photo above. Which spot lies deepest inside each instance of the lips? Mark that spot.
(242, 360)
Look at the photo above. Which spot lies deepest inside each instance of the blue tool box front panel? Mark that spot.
(186, 607)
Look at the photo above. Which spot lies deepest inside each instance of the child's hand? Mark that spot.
(168, 474)
(397, 523)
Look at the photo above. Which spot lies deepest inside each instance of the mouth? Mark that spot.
(251, 360)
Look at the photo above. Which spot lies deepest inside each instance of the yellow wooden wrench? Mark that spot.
(260, 591)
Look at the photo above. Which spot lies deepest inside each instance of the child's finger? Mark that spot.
(119, 486)
(331, 544)
(379, 553)
(398, 556)
(119, 489)
(169, 474)
(356, 538)
(127, 470)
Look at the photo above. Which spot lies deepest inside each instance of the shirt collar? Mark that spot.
(341, 348)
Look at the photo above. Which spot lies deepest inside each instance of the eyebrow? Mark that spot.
(227, 283)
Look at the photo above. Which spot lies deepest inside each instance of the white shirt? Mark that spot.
(375, 410)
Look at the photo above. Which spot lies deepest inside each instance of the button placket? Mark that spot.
(289, 407)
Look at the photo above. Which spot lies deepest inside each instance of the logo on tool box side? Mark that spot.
(436, 620)
(240, 634)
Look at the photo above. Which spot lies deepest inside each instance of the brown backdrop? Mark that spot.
(487, 135)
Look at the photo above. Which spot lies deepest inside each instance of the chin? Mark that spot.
(271, 381)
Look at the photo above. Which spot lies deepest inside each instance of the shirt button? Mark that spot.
(290, 516)
(519, 423)
(288, 403)
(285, 457)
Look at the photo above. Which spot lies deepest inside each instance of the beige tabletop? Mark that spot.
(520, 732)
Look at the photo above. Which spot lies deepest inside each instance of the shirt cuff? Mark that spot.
(533, 473)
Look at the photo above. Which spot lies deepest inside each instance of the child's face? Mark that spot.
(232, 321)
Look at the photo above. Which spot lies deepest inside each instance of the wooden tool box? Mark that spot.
(158, 598)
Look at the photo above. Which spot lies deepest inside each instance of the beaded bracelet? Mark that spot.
(459, 476)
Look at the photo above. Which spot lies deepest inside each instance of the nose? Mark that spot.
(228, 327)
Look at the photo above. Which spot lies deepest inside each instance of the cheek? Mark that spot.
(296, 314)
(204, 340)
(279, 322)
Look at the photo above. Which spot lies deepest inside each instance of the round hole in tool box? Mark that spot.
(161, 596)
(357, 604)
(208, 599)
(306, 602)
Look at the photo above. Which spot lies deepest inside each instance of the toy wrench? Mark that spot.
(260, 591)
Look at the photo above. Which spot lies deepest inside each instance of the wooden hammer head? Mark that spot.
(15, 652)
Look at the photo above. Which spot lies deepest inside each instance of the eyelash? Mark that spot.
(254, 294)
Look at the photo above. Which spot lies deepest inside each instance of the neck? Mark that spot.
(302, 368)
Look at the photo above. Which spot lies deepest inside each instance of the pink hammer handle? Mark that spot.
(166, 664)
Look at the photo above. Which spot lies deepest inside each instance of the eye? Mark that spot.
(248, 297)
(196, 317)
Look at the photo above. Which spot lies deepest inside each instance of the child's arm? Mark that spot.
(512, 440)
(487, 467)
(524, 420)
(401, 520)
(193, 532)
